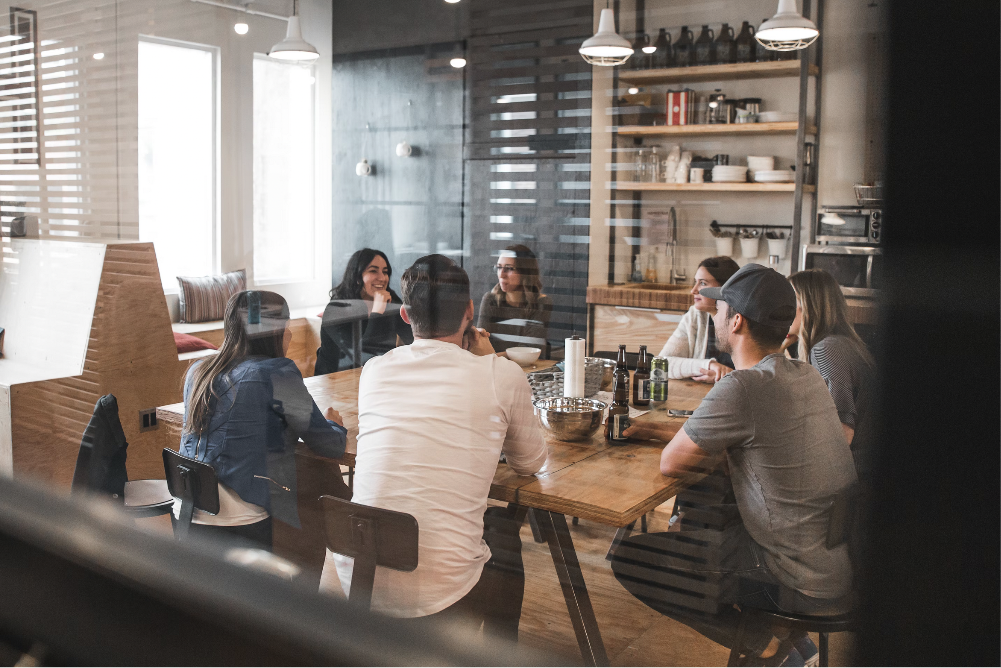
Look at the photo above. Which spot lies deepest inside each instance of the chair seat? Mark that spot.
(147, 498)
(816, 623)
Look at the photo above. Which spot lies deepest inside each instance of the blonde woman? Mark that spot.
(828, 341)
(515, 311)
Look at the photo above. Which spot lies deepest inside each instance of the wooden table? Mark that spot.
(594, 480)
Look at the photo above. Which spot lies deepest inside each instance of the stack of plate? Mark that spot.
(777, 116)
(729, 174)
(774, 176)
(759, 163)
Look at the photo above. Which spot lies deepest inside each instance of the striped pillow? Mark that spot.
(204, 298)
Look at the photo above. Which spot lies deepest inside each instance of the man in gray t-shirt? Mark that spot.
(775, 425)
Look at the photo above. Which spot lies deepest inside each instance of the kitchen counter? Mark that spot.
(642, 295)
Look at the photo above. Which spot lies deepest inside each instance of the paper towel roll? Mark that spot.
(573, 371)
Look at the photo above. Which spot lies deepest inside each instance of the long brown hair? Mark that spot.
(254, 325)
(720, 267)
(825, 313)
(527, 266)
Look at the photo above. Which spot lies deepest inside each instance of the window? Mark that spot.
(177, 157)
(283, 171)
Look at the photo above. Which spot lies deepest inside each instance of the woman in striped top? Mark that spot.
(828, 341)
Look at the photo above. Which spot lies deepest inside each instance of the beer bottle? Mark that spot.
(618, 413)
(641, 390)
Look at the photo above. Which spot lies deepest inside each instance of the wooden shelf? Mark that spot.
(789, 127)
(769, 70)
(713, 187)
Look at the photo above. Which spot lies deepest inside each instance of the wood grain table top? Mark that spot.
(594, 480)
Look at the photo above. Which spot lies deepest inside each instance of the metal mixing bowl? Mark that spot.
(569, 418)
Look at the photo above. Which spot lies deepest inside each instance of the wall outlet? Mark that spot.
(147, 419)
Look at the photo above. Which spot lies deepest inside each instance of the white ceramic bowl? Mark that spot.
(524, 355)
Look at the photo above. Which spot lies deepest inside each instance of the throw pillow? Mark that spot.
(186, 343)
(204, 298)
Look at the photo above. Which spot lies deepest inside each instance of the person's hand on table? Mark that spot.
(381, 299)
(333, 415)
(477, 341)
(713, 373)
(645, 430)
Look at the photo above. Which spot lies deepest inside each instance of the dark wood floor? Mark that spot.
(634, 634)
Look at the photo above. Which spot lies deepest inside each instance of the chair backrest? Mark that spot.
(373, 537)
(191, 480)
(100, 464)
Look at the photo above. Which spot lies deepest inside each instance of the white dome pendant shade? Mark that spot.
(788, 30)
(294, 49)
(607, 47)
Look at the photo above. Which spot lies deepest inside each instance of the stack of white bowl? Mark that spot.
(759, 163)
(729, 174)
(775, 176)
(777, 116)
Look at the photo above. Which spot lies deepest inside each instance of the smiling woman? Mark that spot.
(366, 279)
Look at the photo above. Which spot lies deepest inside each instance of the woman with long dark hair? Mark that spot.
(365, 281)
(691, 351)
(244, 411)
(828, 341)
(517, 297)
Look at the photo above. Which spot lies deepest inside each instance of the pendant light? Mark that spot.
(788, 30)
(607, 47)
(294, 48)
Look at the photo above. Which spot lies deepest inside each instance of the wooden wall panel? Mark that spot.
(131, 354)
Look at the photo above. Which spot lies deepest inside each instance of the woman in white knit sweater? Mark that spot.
(691, 351)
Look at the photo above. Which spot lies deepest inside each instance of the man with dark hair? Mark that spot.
(433, 419)
(436, 292)
(774, 424)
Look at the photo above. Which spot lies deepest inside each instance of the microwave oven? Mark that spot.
(857, 269)
(849, 225)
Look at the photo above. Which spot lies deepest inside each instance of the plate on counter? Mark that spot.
(774, 176)
(729, 174)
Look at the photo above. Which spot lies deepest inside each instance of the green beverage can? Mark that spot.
(658, 379)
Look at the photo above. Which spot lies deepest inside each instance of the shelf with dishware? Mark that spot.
(785, 127)
(711, 187)
(721, 72)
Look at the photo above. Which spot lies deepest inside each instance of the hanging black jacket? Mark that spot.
(100, 466)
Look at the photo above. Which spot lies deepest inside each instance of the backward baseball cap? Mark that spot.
(758, 293)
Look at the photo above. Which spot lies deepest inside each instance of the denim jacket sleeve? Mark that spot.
(294, 403)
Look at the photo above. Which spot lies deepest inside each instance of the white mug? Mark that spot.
(695, 175)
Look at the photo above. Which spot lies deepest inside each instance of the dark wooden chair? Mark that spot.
(372, 537)
(195, 484)
(840, 530)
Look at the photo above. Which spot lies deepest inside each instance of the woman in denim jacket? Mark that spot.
(244, 411)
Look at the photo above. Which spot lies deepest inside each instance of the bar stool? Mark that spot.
(373, 537)
(843, 519)
(193, 482)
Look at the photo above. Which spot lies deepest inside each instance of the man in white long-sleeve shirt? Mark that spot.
(433, 419)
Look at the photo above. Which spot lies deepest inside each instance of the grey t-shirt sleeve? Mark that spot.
(723, 419)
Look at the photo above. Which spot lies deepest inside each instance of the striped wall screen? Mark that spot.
(59, 109)
(528, 147)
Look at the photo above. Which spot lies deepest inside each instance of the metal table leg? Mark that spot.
(555, 531)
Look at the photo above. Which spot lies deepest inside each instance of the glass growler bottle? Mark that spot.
(664, 55)
(746, 43)
(641, 390)
(704, 47)
(725, 46)
(618, 412)
(684, 48)
(762, 54)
